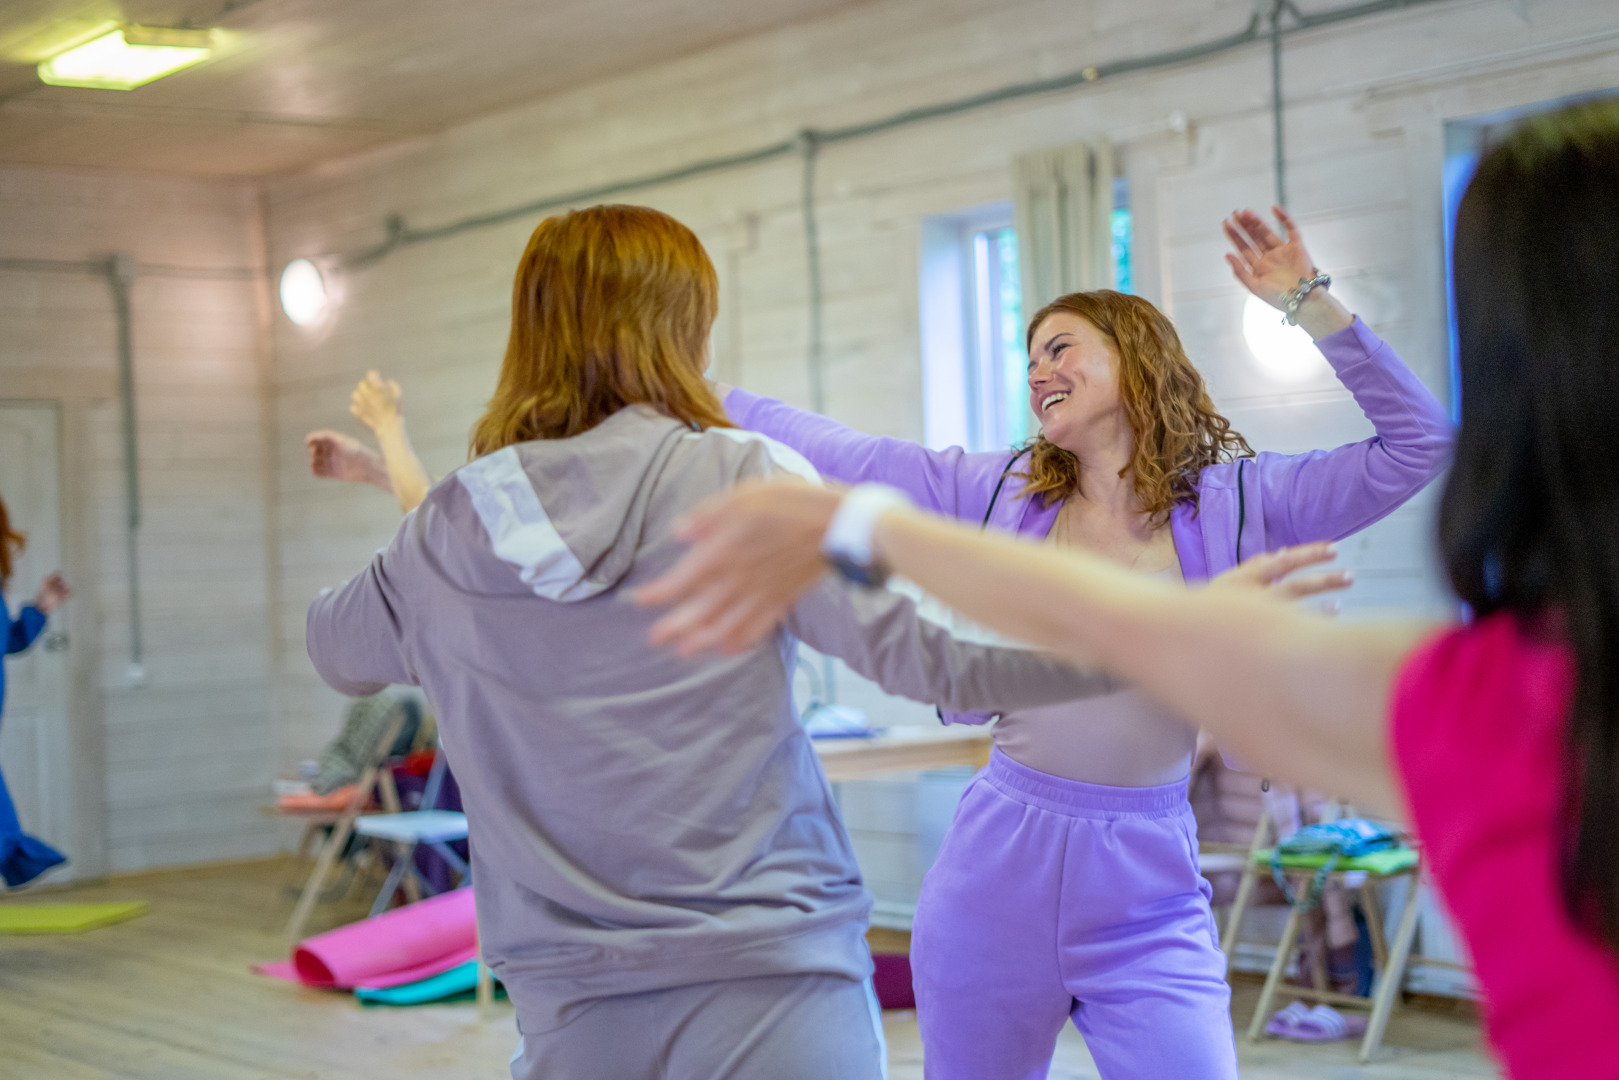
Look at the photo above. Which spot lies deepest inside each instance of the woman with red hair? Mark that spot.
(1498, 740)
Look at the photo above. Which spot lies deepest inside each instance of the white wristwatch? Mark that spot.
(848, 540)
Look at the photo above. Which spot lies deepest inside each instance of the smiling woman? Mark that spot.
(1108, 359)
(1134, 464)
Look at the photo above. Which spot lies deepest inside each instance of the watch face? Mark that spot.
(872, 576)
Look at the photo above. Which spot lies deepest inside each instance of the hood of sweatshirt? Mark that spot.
(569, 514)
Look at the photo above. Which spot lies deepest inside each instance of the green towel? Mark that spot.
(1389, 861)
(65, 918)
(451, 985)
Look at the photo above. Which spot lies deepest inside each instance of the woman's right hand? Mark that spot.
(377, 403)
(336, 456)
(51, 594)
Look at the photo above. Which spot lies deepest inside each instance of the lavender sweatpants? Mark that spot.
(1053, 899)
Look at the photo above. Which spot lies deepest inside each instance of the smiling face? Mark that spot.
(1074, 380)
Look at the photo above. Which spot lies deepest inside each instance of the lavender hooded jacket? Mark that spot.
(1284, 499)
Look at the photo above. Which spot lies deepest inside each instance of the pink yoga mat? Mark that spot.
(399, 946)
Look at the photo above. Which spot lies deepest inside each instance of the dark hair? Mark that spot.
(1530, 518)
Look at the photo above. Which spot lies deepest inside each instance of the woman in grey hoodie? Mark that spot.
(664, 885)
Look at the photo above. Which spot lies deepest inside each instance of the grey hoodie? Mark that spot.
(639, 821)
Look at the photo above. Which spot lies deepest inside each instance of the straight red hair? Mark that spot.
(611, 306)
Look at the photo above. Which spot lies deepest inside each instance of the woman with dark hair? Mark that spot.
(22, 857)
(1499, 740)
(1085, 803)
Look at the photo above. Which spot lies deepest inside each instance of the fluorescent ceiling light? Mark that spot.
(303, 293)
(127, 58)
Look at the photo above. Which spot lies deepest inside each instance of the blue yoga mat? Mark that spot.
(461, 979)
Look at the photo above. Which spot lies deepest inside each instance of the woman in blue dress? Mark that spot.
(22, 857)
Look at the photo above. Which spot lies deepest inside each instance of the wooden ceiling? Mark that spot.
(298, 82)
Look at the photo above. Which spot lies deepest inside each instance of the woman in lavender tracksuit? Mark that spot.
(1068, 883)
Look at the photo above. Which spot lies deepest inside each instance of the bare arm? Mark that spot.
(1296, 695)
(378, 404)
(1292, 693)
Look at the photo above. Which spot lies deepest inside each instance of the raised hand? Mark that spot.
(51, 594)
(377, 403)
(335, 456)
(1269, 267)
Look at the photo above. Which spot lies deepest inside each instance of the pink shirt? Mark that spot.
(1477, 724)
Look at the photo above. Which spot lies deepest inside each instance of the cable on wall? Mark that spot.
(1279, 154)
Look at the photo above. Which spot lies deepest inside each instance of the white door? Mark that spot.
(34, 737)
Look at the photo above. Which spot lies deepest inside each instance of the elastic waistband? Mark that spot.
(1079, 799)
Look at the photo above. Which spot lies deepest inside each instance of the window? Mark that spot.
(975, 367)
(1123, 235)
(997, 375)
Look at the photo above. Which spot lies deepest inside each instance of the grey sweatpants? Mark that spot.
(778, 1027)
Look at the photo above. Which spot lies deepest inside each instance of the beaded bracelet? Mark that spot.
(1294, 297)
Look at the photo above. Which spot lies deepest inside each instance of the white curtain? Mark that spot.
(1062, 203)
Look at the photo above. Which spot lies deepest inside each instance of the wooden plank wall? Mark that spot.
(1366, 105)
(188, 756)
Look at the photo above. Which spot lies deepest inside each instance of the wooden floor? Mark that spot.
(170, 997)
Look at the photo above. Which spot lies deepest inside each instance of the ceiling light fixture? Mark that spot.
(304, 295)
(126, 58)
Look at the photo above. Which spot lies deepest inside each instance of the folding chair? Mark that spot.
(1214, 857)
(373, 778)
(1391, 959)
(438, 829)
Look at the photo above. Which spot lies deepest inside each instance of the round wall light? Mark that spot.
(303, 293)
(1284, 352)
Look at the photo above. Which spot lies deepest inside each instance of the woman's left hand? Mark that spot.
(1270, 268)
(1270, 570)
(51, 594)
(1267, 265)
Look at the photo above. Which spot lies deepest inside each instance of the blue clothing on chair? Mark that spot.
(22, 858)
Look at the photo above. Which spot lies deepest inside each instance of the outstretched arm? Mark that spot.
(378, 404)
(1293, 694)
(951, 482)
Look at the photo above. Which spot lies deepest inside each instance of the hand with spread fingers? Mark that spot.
(1271, 570)
(1271, 267)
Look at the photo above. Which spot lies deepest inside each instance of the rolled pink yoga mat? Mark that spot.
(400, 946)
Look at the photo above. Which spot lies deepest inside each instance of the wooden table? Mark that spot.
(903, 749)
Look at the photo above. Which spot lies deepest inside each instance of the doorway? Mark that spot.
(36, 742)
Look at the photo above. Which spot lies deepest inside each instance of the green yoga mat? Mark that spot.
(453, 985)
(1377, 862)
(65, 918)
